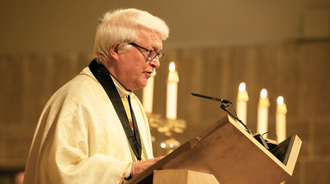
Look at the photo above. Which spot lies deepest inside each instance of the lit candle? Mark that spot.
(242, 99)
(172, 89)
(148, 94)
(281, 119)
(263, 113)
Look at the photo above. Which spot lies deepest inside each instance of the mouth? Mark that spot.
(149, 73)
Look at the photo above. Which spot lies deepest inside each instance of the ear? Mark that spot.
(114, 51)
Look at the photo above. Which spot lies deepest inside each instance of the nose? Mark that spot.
(155, 62)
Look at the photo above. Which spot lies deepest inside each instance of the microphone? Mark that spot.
(212, 98)
(259, 138)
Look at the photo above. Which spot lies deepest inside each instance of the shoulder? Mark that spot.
(83, 82)
(81, 88)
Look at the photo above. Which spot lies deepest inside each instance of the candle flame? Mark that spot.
(242, 87)
(280, 100)
(263, 93)
(172, 66)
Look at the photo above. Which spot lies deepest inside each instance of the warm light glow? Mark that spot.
(172, 67)
(242, 87)
(163, 145)
(263, 93)
(153, 73)
(171, 145)
(280, 100)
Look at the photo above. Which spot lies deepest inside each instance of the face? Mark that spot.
(133, 70)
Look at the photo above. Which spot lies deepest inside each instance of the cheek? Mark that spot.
(136, 63)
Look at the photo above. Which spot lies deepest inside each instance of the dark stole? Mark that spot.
(103, 76)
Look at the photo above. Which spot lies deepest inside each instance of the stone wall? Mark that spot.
(298, 71)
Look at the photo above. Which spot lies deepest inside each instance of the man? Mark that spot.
(94, 129)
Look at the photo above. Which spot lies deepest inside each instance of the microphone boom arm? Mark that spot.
(259, 138)
(223, 107)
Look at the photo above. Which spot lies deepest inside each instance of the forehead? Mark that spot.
(152, 39)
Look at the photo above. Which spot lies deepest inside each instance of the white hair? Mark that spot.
(124, 26)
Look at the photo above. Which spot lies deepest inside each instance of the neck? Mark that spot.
(111, 67)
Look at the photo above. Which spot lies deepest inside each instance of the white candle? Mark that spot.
(172, 90)
(262, 126)
(148, 94)
(281, 119)
(242, 99)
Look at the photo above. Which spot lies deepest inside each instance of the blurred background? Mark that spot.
(280, 45)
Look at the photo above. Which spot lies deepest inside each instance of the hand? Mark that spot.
(139, 167)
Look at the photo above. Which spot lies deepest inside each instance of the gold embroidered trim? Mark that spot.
(123, 177)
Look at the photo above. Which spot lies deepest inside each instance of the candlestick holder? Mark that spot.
(155, 121)
(169, 145)
(168, 127)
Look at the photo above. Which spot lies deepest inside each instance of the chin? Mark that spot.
(143, 83)
(143, 86)
(138, 86)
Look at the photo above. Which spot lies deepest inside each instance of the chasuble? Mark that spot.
(79, 137)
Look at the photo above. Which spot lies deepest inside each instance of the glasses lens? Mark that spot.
(152, 55)
(160, 55)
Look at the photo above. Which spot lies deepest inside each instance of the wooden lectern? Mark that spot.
(233, 156)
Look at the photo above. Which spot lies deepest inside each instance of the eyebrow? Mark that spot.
(155, 48)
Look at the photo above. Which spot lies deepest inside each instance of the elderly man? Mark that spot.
(94, 129)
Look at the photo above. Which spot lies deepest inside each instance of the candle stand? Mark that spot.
(168, 127)
(155, 121)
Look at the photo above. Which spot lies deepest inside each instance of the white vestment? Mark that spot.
(80, 139)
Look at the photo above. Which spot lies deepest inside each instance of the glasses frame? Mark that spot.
(151, 52)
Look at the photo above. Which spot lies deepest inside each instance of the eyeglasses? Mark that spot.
(152, 54)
